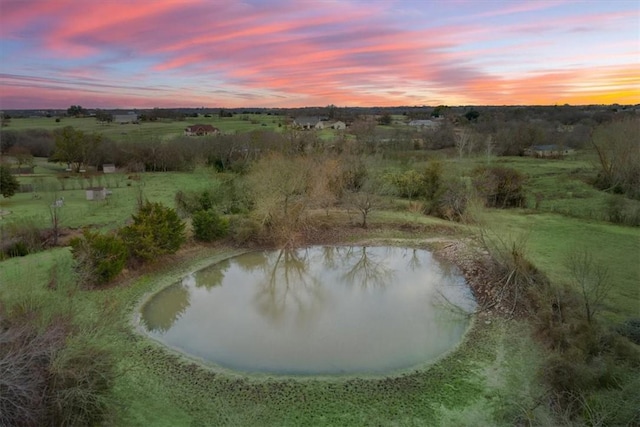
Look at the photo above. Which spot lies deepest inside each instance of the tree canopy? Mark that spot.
(76, 111)
(8, 183)
(104, 116)
(156, 230)
(73, 147)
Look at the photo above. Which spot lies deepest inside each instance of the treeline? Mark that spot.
(499, 137)
(502, 131)
(490, 133)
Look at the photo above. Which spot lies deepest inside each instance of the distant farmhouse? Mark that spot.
(548, 151)
(308, 123)
(125, 118)
(334, 125)
(200, 130)
(424, 124)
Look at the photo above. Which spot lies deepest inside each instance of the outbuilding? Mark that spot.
(96, 193)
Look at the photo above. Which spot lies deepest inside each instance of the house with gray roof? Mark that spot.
(308, 122)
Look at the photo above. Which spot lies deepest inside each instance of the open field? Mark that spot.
(552, 237)
(112, 212)
(158, 130)
(492, 378)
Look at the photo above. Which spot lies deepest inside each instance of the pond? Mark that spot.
(315, 311)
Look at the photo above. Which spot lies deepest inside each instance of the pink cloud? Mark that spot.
(302, 52)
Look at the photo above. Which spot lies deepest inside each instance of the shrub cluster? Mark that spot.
(99, 257)
(51, 376)
(156, 230)
(621, 210)
(517, 281)
(590, 371)
(587, 364)
(244, 230)
(451, 201)
(227, 198)
(209, 226)
(445, 198)
(189, 202)
(8, 183)
(500, 187)
(20, 237)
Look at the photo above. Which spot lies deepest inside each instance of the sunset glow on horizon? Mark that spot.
(287, 53)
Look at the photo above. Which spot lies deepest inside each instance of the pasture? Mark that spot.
(159, 130)
(492, 378)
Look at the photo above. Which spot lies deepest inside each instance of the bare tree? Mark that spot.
(489, 145)
(464, 141)
(22, 155)
(55, 206)
(513, 274)
(618, 152)
(592, 279)
(364, 202)
(364, 131)
(327, 182)
(280, 188)
(365, 199)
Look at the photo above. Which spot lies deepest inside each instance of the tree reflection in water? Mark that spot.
(414, 262)
(288, 283)
(327, 310)
(167, 306)
(211, 276)
(365, 269)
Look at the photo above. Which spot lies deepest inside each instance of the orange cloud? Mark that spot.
(286, 53)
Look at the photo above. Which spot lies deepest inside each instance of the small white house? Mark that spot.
(308, 123)
(333, 125)
(109, 168)
(424, 124)
(96, 193)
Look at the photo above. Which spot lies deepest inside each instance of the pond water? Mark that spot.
(317, 310)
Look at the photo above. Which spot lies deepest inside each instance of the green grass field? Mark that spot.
(551, 237)
(156, 387)
(491, 379)
(109, 213)
(158, 130)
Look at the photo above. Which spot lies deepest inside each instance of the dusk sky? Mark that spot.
(264, 53)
